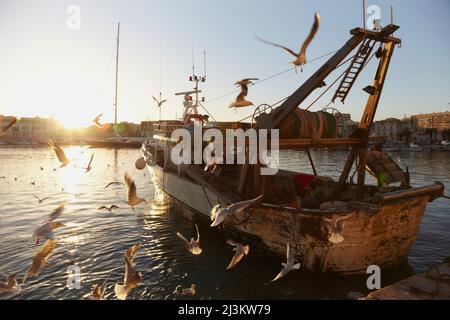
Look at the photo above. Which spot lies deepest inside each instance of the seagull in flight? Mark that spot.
(240, 99)
(113, 183)
(59, 154)
(159, 102)
(192, 246)
(45, 231)
(96, 121)
(40, 200)
(240, 250)
(110, 208)
(88, 168)
(289, 265)
(98, 291)
(10, 285)
(40, 259)
(56, 213)
(335, 228)
(132, 198)
(131, 251)
(219, 213)
(130, 280)
(300, 57)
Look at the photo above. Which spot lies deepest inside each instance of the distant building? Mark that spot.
(389, 128)
(346, 126)
(29, 129)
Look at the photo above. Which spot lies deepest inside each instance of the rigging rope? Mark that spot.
(282, 100)
(269, 77)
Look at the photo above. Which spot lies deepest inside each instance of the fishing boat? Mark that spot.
(339, 226)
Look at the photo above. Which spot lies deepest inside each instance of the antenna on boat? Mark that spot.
(364, 13)
(160, 101)
(204, 64)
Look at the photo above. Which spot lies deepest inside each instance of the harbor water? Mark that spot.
(95, 241)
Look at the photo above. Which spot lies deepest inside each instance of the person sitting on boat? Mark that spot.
(189, 107)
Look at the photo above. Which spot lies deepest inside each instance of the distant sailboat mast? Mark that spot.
(117, 80)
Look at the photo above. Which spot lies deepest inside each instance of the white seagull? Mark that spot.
(289, 265)
(335, 228)
(219, 214)
(132, 198)
(192, 246)
(40, 259)
(59, 154)
(240, 99)
(300, 58)
(130, 280)
(240, 250)
(45, 231)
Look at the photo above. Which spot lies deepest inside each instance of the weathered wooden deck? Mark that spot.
(434, 284)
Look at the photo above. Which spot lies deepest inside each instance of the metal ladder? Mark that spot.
(354, 70)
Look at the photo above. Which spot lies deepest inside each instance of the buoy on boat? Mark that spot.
(140, 163)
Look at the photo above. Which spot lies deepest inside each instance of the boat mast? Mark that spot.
(117, 79)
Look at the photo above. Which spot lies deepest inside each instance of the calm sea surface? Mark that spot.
(96, 240)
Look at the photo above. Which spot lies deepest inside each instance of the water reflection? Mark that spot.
(96, 240)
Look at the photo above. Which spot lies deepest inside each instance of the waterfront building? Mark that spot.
(35, 129)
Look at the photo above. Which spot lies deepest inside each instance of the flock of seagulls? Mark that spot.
(299, 61)
(218, 213)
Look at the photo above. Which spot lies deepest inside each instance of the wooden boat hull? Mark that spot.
(373, 234)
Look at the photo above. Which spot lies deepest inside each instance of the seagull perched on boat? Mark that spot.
(240, 99)
(10, 285)
(300, 58)
(192, 246)
(9, 126)
(130, 280)
(96, 121)
(188, 292)
(40, 200)
(113, 183)
(88, 168)
(240, 250)
(110, 208)
(40, 259)
(132, 198)
(219, 214)
(59, 154)
(289, 265)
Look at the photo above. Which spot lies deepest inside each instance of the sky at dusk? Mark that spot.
(47, 69)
